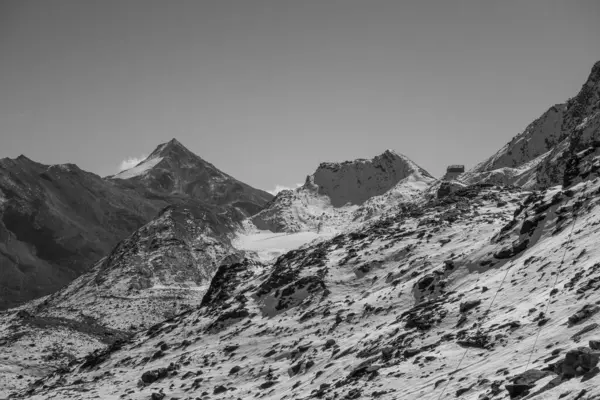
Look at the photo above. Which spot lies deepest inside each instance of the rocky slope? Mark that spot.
(435, 302)
(536, 158)
(57, 221)
(339, 193)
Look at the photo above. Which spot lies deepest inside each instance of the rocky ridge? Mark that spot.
(536, 158)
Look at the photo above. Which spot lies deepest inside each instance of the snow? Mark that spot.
(139, 169)
(268, 245)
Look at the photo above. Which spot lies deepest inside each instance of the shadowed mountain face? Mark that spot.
(56, 221)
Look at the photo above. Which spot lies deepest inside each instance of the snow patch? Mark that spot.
(268, 245)
(139, 169)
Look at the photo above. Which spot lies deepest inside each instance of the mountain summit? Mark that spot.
(172, 169)
(354, 182)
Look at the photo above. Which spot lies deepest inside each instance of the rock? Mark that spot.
(584, 313)
(595, 344)
(219, 389)
(408, 353)
(329, 343)
(353, 394)
(530, 376)
(530, 224)
(154, 375)
(267, 384)
(468, 305)
(235, 370)
(157, 396)
(517, 390)
(577, 362)
(520, 246)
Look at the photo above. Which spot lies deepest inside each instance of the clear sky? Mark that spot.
(266, 90)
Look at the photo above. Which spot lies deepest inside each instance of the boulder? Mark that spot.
(154, 375)
(469, 305)
(518, 389)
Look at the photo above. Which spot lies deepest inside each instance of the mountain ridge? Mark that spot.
(529, 159)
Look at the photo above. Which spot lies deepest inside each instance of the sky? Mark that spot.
(267, 90)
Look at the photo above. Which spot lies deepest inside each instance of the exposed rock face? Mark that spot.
(355, 182)
(57, 221)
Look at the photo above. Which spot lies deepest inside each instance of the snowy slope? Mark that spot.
(140, 169)
(386, 312)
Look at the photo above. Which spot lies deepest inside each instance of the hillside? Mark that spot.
(440, 281)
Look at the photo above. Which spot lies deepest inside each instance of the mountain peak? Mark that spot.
(171, 148)
(357, 181)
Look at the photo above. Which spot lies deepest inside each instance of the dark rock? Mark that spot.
(219, 389)
(154, 375)
(468, 305)
(584, 313)
(267, 384)
(517, 390)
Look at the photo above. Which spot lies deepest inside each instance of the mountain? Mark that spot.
(173, 170)
(56, 221)
(537, 157)
(373, 280)
(337, 193)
